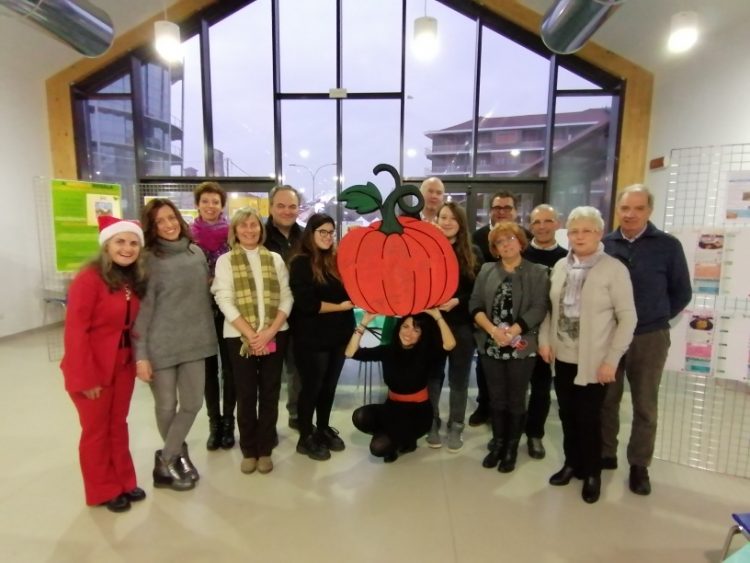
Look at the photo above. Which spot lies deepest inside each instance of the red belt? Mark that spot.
(418, 397)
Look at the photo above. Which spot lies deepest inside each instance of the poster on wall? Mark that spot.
(733, 347)
(700, 341)
(735, 281)
(76, 206)
(704, 251)
(738, 196)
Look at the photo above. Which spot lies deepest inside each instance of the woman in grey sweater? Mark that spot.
(174, 334)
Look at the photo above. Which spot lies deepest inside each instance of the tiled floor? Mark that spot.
(429, 506)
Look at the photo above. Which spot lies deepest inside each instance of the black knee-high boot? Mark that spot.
(514, 429)
(497, 451)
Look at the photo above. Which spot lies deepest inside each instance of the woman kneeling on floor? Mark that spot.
(407, 361)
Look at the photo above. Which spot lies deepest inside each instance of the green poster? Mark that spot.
(75, 208)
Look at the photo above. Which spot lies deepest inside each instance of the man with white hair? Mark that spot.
(661, 288)
(433, 192)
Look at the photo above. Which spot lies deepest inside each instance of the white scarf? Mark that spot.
(576, 276)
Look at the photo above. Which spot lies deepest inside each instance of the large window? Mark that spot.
(315, 93)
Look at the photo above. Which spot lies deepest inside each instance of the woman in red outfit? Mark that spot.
(98, 366)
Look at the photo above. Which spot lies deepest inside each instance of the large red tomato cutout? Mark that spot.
(397, 266)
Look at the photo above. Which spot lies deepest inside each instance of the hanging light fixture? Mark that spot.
(168, 42)
(683, 32)
(425, 45)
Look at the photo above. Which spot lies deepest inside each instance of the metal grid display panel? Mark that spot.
(704, 421)
(54, 284)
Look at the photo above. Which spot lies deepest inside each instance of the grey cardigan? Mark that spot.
(175, 323)
(607, 320)
(530, 300)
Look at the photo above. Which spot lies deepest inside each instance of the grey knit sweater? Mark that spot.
(175, 323)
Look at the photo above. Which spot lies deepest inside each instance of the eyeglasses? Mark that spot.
(325, 232)
(507, 240)
(505, 208)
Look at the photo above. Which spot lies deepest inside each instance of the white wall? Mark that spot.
(701, 99)
(24, 153)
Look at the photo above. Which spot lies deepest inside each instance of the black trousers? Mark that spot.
(257, 381)
(319, 372)
(539, 399)
(580, 414)
(219, 381)
(508, 382)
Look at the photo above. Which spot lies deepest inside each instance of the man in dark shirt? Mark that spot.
(661, 288)
(543, 249)
(282, 232)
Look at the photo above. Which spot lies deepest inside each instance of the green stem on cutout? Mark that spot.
(366, 199)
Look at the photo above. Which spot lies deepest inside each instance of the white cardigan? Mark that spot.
(608, 316)
(223, 289)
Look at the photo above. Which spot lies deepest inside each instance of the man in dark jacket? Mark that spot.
(282, 232)
(661, 288)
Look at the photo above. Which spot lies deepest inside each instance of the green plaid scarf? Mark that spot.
(245, 291)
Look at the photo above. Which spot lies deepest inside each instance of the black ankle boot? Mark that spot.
(497, 444)
(166, 474)
(513, 437)
(185, 464)
(562, 477)
(214, 435)
(227, 432)
(591, 489)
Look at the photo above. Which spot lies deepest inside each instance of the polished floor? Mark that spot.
(429, 506)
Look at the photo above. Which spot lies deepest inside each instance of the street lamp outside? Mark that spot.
(313, 175)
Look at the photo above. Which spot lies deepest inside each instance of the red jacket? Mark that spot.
(94, 323)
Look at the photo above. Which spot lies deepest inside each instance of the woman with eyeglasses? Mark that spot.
(587, 331)
(322, 321)
(508, 303)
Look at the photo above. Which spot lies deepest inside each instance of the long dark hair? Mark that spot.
(148, 223)
(467, 261)
(322, 261)
(429, 340)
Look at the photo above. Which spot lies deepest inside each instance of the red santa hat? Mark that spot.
(110, 226)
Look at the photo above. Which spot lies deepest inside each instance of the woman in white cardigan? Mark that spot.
(251, 287)
(585, 334)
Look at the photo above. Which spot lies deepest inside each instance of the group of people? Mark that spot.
(225, 309)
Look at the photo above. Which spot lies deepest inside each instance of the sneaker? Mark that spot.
(454, 442)
(329, 437)
(479, 416)
(249, 465)
(310, 447)
(265, 465)
(433, 437)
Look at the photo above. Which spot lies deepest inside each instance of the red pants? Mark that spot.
(104, 450)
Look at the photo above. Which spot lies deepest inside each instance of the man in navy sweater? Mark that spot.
(543, 249)
(661, 288)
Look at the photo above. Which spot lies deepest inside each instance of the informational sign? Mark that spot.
(75, 208)
(738, 197)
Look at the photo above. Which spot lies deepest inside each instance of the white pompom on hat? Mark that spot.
(110, 226)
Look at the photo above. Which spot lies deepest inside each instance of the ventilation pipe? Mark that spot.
(77, 23)
(568, 24)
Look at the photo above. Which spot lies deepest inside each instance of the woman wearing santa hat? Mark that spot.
(103, 301)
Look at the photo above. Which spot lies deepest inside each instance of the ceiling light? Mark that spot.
(425, 44)
(684, 32)
(168, 42)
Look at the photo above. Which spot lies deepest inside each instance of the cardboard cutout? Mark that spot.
(400, 265)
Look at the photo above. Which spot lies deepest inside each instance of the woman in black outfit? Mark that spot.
(408, 362)
(321, 322)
